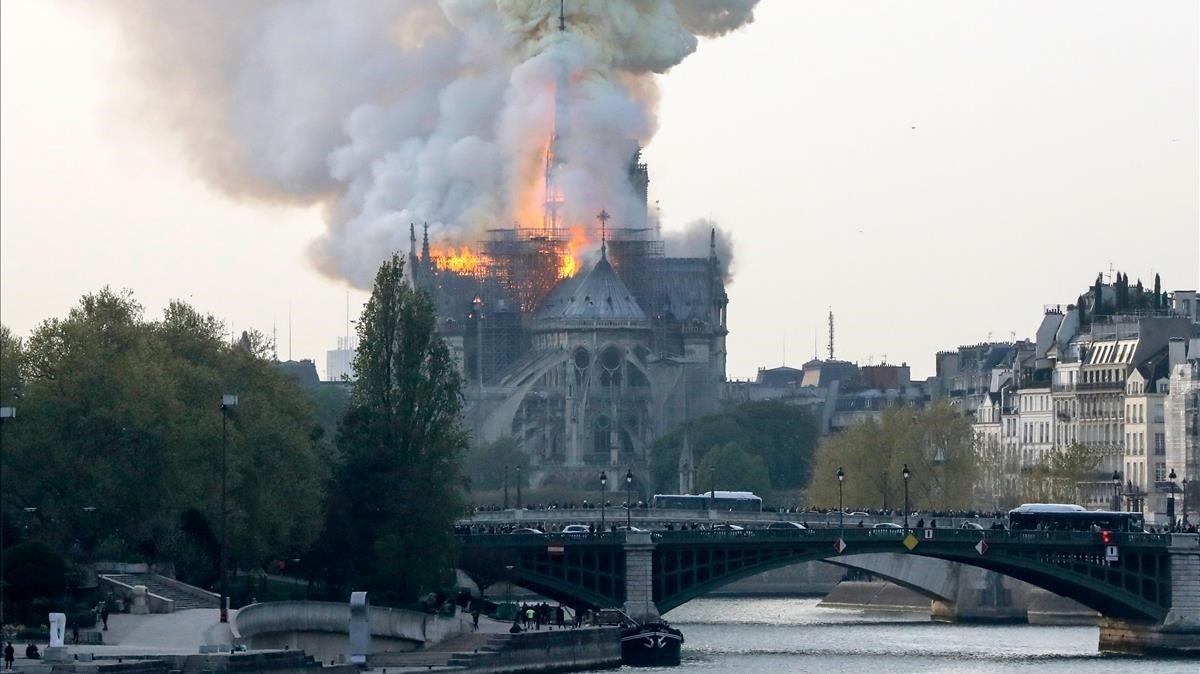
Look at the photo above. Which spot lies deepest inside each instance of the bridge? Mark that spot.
(1149, 596)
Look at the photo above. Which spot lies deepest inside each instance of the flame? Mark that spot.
(463, 262)
(570, 264)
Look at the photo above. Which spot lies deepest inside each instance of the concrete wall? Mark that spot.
(321, 629)
(558, 651)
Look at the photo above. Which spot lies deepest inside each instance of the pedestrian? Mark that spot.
(104, 614)
(529, 616)
(475, 619)
(9, 654)
(921, 523)
(560, 616)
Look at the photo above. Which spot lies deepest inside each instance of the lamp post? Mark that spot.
(1185, 488)
(1116, 481)
(841, 475)
(603, 495)
(228, 402)
(1171, 501)
(518, 486)
(629, 499)
(5, 414)
(905, 474)
(506, 486)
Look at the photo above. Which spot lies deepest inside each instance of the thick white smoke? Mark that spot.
(412, 111)
(694, 241)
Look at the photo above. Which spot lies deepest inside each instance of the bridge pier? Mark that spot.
(979, 596)
(639, 577)
(1179, 632)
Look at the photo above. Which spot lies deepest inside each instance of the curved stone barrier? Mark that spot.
(323, 628)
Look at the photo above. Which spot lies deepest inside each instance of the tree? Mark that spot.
(400, 486)
(1158, 296)
(120, 434)
(784, 436)
(731, 468)
(937, 444)
(488, 463)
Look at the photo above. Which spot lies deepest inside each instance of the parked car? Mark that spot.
(777, 526)
(577, 529)
(625, 528)
(857, 513)
(887, 525)
(525, 530)
(723, 526)
(972, 525)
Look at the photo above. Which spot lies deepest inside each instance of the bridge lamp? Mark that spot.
(603, 496)
(228, 402)
(1185, 488)
(905, 474)
(1116, 481)
(629, 499)
(841, 475)
(1171, 500)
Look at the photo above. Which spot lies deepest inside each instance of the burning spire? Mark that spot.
(554, 199)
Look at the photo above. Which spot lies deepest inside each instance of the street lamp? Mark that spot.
(905, 474)
(603, 496)
(1171, 501)
(506, 486)
(1116, 480)
(518, 487)
(228, 402)
(629, 499)
(5, 413)
(841, 475)
(1185, 488)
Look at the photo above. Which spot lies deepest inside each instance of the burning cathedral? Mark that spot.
(584, 361)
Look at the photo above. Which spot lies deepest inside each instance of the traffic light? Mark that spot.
(1106, 537)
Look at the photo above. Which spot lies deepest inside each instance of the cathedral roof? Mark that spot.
(598, 296)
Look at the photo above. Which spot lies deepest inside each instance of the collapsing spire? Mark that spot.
(551, 216)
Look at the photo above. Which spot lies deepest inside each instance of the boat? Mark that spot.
(651, 644)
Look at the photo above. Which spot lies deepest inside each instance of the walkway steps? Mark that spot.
(184, 596)
(456, 651)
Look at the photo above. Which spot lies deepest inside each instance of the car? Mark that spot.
(577, 529)
(625, 528)
(972, 525)
(784, 526)
(525, 530)
(727, 527)
(887, 525)
(857, 513)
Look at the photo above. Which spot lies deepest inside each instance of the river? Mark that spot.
(753, 636)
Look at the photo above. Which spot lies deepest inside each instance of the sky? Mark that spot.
(934, 173)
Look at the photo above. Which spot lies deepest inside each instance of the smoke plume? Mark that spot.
(694, 240)
(415, 111)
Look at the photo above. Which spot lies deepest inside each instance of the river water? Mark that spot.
(754, 636)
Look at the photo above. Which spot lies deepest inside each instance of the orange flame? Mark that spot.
(462, 262)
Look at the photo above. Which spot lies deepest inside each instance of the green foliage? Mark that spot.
(399, 487)
(732, 468)
(1057, 480)
(120, 415)
(784, 436)
(32, 570)
(937, 444)
(488, 463)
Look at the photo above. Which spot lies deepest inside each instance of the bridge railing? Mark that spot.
(971, 536)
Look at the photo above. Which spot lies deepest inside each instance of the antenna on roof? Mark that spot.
(831, 333)
(562, 17)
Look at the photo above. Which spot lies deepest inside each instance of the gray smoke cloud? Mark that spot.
(693, 241)
(411, 111)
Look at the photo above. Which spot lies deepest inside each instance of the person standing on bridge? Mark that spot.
(9, 654)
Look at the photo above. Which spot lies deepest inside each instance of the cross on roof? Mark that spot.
(603, 217)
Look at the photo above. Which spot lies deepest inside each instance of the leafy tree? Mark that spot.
(399, 488)
(732, 468)
(488, 463)
(120, 434)
(784, 436)
(32, 570)
(937, 444)
(1158, 296)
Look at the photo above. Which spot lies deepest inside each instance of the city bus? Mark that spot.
(724, 501)
(1063, 517)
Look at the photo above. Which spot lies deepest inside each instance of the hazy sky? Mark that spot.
(933, 171)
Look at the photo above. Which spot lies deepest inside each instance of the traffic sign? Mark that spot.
(839, 545)
(910, 541)
(981, 547)
(1111, 554)
(555, 549)
(929, 534)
